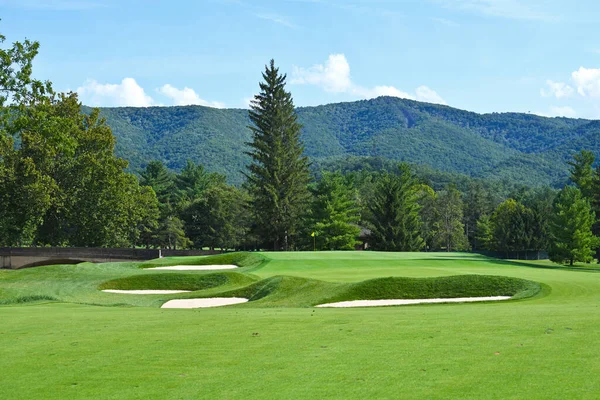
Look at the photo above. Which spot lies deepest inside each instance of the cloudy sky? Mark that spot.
(539, 56)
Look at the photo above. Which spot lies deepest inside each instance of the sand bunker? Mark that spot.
(204, 303)
(196, 267)
(400, 302)
(145, 291)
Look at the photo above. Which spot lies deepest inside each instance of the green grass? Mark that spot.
(442, 287)
(241, 259)
(176, 281)
(545, 346)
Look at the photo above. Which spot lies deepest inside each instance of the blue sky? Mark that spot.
(540, 56)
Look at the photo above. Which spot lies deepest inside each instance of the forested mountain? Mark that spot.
(522, 148)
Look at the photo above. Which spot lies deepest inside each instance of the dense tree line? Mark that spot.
(391, 208)
(62, 185)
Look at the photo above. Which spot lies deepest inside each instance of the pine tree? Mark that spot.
(587, 181)
(572, 239)
(476, 204)
(582, 172)
(334, 213)
(484, 232)
(278, 174)
(394, 217)
(426, 197)
(450, 229)
(158, 177)
(193, 181)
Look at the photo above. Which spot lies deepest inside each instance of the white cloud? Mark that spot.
(557, 89)
(186, 96)
(555, 111)
(126, 93)
(565, 111)
(247, 102)
(388, 91)
(129, 94)
(334, 77)
(428, 95)
(587, 81)
(513, 9)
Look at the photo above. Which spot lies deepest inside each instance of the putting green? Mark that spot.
(546, 346)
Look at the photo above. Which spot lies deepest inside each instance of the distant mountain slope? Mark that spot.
(520, 147)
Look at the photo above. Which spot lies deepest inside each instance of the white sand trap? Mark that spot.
(197, 267)
(204, 303)
(400, 302)
(145, 291)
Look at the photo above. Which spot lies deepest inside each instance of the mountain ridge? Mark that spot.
(525, 148)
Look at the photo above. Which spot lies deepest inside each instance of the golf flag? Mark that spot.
(312, 234)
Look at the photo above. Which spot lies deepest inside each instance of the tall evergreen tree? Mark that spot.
(427, 198)
(278, 174)
(582, 172)
(510, 227)
(450, 229)
(477, 203)
(484, 233)
(334, 213)
(394, 217)
(587, 181)
(572, 239)
(158, 177)
(539, 212)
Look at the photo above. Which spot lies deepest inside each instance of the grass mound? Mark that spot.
(174, 281)
(27, 299)
(288, 291)
(439, 287)
(241, 259)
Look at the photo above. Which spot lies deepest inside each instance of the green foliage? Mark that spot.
(194, 180)
(334, 213)
(450, 232)
(427, 199)
(514, 147)
(394, 217)
(571, 228)
(160, 179)
(510, 227)
(218, 218)
(60, 182)
(582, 172)
(484, 233)
(477, 202)
(170, 234)
(278, 175)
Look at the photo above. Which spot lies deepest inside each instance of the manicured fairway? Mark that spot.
(543, 347)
